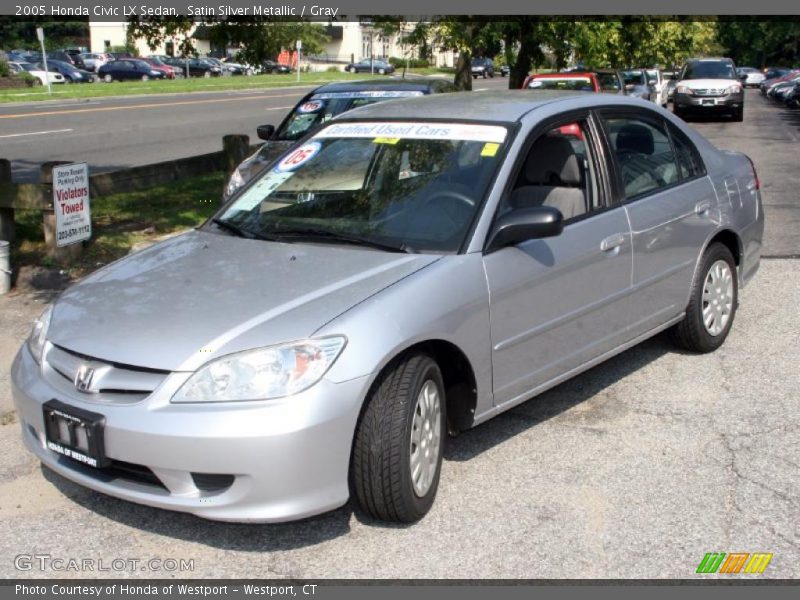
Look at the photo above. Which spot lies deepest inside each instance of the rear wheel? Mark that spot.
(108, 78)
(381, 71)
(353, 70)
(397, 451)
(207, 74)
(145, 78)
(712, 304)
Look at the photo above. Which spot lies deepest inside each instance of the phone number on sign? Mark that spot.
(68, 234)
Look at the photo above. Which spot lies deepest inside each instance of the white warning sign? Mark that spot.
(71, 203)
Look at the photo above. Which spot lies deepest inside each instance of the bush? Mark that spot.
(29, 79)
(413, 63)
(4, 70)
(332, 69)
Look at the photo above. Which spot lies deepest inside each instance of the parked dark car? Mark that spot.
(482, 67)
(375, 65)
(73, 59)
(505, 70)
(270, 66)
(610, 81)
(77, 57)
(71, 73)
(198, 67)
(127, 69)
(320, 106)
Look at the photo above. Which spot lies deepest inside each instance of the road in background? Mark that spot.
(121, 132)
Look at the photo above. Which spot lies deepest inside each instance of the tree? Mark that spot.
(258, 38)
(59, 33)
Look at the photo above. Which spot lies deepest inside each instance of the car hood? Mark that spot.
(702, 84)
(201, 295)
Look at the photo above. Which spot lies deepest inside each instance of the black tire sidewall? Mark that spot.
(429, 371)
(707, 341)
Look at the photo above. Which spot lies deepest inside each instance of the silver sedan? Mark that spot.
(392, 279)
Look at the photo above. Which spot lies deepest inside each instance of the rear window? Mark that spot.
(574, 84)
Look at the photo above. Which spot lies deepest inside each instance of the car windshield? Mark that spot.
(322, 107)
(709, 70)
(404, 186)
(574, 84)
(633, 77)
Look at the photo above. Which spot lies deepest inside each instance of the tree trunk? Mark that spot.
(463, 80)
(522, 66)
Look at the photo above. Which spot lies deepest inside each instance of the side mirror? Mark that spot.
(525, 224)
(651, 82)
(629, 87)
(265, 131)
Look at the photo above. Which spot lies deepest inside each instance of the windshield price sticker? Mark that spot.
(368, 94)
(311, 106)
(420, 131)
(299, 157)
(71, 203)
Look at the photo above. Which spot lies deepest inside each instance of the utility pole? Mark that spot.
(40, 35)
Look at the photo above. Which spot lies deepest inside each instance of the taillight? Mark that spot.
(755, 174)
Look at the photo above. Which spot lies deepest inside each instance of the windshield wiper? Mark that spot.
(325, 235)
(241, 232)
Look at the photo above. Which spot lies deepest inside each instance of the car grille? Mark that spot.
(110, 382)
(710, 92)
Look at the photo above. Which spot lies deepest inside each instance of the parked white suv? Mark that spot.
(709, 86)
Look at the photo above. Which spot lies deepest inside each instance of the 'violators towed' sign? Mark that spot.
(71, 203)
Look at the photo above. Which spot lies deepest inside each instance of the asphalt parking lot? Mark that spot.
(634, 469)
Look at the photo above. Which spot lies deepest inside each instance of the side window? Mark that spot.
(644, 155)
(559, 171)
(689, 161)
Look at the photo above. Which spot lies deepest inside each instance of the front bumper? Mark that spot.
(288, 458)
(708, 104)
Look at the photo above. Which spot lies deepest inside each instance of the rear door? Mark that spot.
(672, 209)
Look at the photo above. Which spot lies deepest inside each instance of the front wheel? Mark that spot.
(353, 70)
(712, 304)
(397, 452)
(738, 116)
(207, 74)
(145, 78)
(108, 78)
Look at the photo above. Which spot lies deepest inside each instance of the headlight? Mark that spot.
(734, 89)
(156, 73)
(236, 181)
(682, 89)
(39, 334)
(262, 374)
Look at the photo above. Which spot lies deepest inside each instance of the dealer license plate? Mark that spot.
(75, 433)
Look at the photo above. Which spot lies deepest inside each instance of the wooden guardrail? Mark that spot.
(39, 196)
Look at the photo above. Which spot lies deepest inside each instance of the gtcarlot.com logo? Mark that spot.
(48, 562)
(735, 562)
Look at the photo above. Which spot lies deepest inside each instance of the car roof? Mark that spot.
(562, 75)
(380, 85)
(500, 107)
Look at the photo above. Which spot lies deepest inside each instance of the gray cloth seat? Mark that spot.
(553, 177)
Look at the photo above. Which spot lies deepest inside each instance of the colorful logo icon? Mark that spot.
(735, 562)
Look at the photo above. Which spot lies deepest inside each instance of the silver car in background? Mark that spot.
(408, 271)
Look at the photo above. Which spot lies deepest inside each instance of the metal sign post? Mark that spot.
(299, 46)
(40, 35)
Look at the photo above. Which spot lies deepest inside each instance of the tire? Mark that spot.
(145, 78)
(353, 70)
(207, 74)
(108, 78)
(738, 116)
(381, 464)
(692, 333)
(381, 71)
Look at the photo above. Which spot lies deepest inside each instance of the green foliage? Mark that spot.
(29, 79)
(59, 33)
(333, 69)
(4, 70)
(758, 43)
(130, 48)
(259, 38)
(412, 63)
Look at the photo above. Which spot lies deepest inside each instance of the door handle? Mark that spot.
(702, 207)
(612, 241)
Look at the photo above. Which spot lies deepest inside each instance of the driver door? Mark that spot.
(557, 303)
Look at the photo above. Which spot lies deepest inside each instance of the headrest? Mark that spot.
(635, 138)
(552, 161)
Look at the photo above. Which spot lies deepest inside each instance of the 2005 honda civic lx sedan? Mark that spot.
(392, 279)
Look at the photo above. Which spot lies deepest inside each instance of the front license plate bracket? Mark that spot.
(75, 433)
